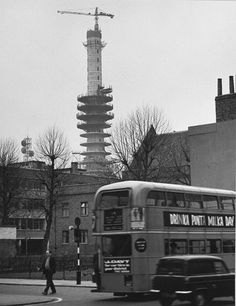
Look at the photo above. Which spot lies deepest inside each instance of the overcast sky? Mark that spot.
(167, 53)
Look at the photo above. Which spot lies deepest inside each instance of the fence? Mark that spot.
(27, 267)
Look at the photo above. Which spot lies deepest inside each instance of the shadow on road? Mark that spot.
(144, 298)
(125, 299)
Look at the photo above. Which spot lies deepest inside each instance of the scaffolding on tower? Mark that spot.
(95, 106)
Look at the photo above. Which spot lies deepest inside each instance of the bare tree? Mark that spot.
(51, 148)
(180, 158)
(9, 177)
(140, 144)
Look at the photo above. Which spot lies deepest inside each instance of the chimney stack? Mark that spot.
(74, 167)
(225, 104)
(219, 87)
(231, 84)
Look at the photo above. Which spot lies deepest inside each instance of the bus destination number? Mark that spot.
(140, 245)
(117, 265)
(113, 219)
(198, 220)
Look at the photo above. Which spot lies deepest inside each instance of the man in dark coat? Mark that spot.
(49, 268)
(97, 273)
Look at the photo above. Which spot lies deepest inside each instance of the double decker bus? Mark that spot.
(138, 222)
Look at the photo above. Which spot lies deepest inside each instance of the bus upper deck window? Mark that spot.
(193, 200)
(156, 198)
(210, 202)
(175, 199)
(115, 198)
(227, 203)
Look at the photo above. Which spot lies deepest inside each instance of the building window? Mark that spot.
(65, 210)
(84, 236)
(98, 59)
(65, 236)
(28, 223)
(84, 209)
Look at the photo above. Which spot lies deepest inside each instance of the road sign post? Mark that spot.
(77, 239)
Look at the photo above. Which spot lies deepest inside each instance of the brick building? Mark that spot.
(213, 146)
(75, 199)
(204, 155)
(25, 200)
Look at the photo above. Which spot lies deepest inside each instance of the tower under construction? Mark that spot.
(95, 107)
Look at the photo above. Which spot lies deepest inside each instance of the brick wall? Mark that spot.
(225, 107)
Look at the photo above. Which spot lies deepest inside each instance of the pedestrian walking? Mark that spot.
(49, 268)
(97, 273)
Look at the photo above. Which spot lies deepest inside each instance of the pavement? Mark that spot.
(20, 300)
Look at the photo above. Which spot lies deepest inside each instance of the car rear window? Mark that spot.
(174, 267)
(220, 267)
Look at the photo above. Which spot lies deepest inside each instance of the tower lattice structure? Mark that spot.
(95, 107)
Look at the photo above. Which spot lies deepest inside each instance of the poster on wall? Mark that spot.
(137, 218)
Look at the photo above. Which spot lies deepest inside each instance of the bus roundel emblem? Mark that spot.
(140, 245)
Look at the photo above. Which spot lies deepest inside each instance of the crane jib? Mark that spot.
(96, 14)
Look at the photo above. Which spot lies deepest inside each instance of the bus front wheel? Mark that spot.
(200, 299)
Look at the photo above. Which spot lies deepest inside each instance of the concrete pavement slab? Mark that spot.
(42, 282)
(20, 300)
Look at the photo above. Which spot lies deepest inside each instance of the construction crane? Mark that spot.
(96, 14)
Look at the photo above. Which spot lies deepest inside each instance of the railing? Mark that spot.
(95, 95)
(110, 114)
(98, 124)
(28, 267)
(94, 103)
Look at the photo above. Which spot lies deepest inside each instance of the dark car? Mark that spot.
(197, 278)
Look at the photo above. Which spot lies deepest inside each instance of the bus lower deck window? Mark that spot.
(196, 246)
(229, 246)
(213, 246)
(175, 246)
(116, 245)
